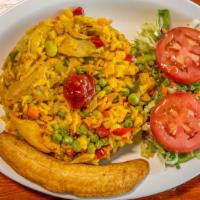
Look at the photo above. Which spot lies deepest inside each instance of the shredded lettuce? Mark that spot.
(144, 52)
(150, 147)
(164, 19)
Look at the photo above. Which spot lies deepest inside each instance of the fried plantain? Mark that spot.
(78, 179)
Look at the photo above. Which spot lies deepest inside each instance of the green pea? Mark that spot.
(57, 138)
(84, 113)
(128, 123)
(61, 115)
(105, 141)
(125, 92)
(55, 126)
(63, 132)
(68, 140)
(99, 144)
(91, 148)
(103, 82)
(66, 62)
(133, 99)
(51, 48)
(94, 138)
(80, 70)
(76, 146)
(83, 130)
(107, 89)
(98, 88)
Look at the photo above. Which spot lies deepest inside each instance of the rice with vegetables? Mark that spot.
(71, 89)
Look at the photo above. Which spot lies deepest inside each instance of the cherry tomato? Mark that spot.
(129, 58)
(78, 11)
(79, 90)
(103, 132)
(175, 122)
(100, 153)
(178, 55)
(121, 131)
(96, 40)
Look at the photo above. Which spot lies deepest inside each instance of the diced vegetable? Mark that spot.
(83, 141)
(57, 138)
(55, 126)
(84, 113)
(76, 146)
(91, 148)
(128, 123)
(103, 132)
(121, 131)
(94, 138)
(51, 48)
(81, 70)
(61, 115)
(83, 130)
(105, 141)
(125, 92)
(78, 11)
(101, 153)
(99, 144)
(103, 82)
(96, 40)
(63, 132)
(133, 99)
(107, 89)
(68, 140)
(33, 112)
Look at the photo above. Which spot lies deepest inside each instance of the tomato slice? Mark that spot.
(178, 55)
(103, 132)
(121, 131)
(79, 90)
(175, 122)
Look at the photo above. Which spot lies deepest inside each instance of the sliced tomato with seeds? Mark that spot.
(175, 122)
(178, 55)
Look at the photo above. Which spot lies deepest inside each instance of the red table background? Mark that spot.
(10, 190)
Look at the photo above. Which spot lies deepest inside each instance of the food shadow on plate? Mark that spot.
(128, 152)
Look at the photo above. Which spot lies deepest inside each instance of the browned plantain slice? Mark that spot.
(78, 179)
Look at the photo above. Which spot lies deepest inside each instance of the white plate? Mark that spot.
(127, 16)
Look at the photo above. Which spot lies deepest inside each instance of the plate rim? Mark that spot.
(42, 190)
